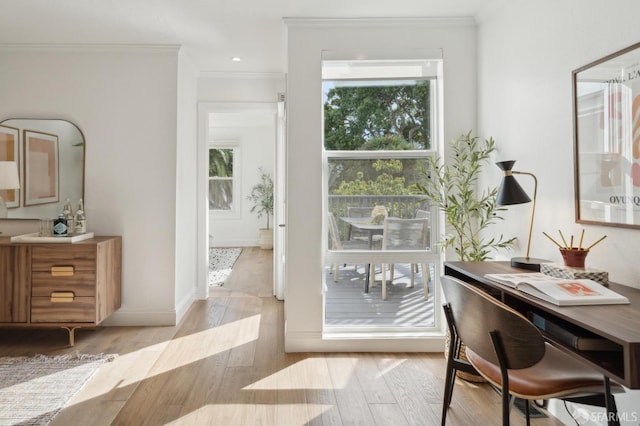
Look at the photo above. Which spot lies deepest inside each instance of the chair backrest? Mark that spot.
(425, 214)
(359, 211)
(422, 214)
(334, 234)
(476, 314)
(404, 234)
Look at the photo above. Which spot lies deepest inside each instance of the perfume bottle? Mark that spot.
(80, 219)
(60, 226)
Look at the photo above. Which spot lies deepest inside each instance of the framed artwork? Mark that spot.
(41, 176)
(9, 151)
(606, 117)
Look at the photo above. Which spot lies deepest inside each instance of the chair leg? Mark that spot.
(384, 281)
(527, 411)
(372, 274)
(610, 402)
(425, 281)
(413, 275)
(450, 379)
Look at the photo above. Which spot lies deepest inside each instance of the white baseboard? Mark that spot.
(184, 304)
(314, 342)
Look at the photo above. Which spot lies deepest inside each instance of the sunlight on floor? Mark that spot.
(172, 356)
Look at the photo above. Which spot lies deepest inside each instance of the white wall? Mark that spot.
(124, 99)
(186, 187)
(526, 54)
(239, 87)
(305, 42)
(525, 103)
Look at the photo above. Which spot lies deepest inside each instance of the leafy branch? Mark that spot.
(468, 212)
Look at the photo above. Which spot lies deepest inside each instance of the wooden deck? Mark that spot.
(347, 304)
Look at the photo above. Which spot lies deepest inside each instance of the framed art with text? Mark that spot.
(606, 117)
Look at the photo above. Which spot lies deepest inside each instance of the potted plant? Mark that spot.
(468, 210)
(262, 198)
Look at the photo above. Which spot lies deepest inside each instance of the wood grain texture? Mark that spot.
(15, 276)
(28, 282)
(618, 323)
(225, 365)
(81, 309)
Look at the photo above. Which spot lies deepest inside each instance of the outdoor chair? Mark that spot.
(337, 244)
(509, 351)
(404, 234)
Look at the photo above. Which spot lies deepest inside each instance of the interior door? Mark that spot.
(279, 247)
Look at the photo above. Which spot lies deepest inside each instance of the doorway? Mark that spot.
(249, 130)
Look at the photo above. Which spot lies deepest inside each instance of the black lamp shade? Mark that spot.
(510, 191)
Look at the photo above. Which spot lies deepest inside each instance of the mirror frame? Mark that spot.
(21, 142)
(606, 109)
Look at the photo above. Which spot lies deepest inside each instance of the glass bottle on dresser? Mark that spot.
(80, 219)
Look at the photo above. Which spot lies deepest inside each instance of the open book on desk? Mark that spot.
(560, 291)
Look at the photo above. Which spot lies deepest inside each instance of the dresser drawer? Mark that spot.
(80, 309)
(82, 283)
(81, 257)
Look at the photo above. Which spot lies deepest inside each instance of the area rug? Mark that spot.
(221, 261)
(34, 389)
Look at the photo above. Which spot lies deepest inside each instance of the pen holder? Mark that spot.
(574, 257)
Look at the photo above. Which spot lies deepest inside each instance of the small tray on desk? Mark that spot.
(36, 238)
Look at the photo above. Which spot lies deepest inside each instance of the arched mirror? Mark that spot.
(49, 164)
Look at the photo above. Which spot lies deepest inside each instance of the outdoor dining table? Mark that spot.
(364, 224)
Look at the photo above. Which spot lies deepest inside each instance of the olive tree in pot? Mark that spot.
(468, 210)
(262, 198)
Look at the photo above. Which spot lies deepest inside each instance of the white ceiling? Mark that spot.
(210, 31)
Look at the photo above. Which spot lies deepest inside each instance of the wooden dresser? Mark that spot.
(75, 285)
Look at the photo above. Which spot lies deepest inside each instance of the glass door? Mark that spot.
(380, 127)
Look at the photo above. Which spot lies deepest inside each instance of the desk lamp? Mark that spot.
(510, 193)
(8, 180)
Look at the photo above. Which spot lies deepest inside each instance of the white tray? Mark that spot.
(35, 238)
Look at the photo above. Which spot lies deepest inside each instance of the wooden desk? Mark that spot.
(617, 323)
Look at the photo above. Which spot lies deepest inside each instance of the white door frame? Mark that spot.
(202, 239)
(280, 219)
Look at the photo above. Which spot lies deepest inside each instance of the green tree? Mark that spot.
(388, 181)
(355, 115)
(220, 166)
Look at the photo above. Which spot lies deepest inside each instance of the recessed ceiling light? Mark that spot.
(236, 59)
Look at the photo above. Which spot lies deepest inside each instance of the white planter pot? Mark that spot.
(265, 239)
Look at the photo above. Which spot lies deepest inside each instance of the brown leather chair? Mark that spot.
(510, 352)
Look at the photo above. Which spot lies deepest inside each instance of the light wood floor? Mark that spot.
(225, 365)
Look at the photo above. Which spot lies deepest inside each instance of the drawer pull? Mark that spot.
(62, 296)
(62, 271)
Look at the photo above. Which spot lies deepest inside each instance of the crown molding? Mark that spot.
(457, 21)
(235, 75)
(87, 47)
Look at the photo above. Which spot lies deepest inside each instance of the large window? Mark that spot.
(223, 173)
(380, 126)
